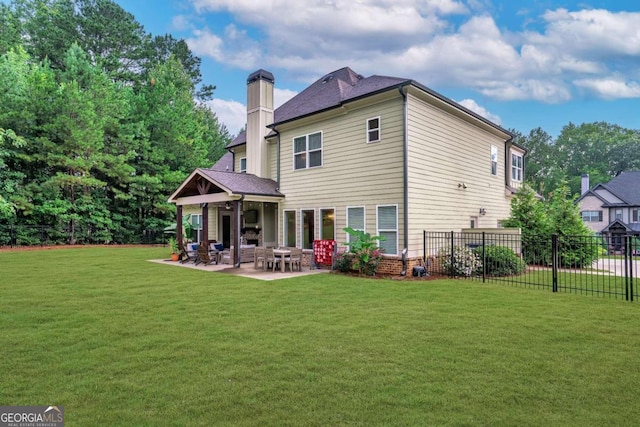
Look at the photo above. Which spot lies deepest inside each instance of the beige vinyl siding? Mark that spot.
(238, 153)
(353, 173)
(445, 151)
(213, 218)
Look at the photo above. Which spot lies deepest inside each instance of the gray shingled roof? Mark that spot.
(332, 90)
(338, 87)
(243, 183)
(224, 163)
(626, 186)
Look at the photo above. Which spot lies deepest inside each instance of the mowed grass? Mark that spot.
(120, 341)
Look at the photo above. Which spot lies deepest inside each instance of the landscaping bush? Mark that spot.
(364, 251)
(462, 262)
(500, 261)
(344, 262)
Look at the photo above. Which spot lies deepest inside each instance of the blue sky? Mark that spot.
(523, 64)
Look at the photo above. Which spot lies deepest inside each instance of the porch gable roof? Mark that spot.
(228, 185)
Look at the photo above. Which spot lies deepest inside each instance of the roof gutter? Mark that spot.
(405, 166)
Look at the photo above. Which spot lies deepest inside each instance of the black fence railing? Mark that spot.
(42, 235)
(586, 265)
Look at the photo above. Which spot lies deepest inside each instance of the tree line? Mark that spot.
(99, 121)
(600, 149)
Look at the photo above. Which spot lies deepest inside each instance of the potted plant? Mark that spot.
(175, 250)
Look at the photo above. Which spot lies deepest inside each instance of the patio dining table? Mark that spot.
(282, 254)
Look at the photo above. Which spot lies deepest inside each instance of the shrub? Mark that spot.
(500, 261)
(463, 261)
(364, 250)
(344, 262)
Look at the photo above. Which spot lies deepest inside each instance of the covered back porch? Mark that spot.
(236, 209)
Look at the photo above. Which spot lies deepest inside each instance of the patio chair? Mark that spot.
(258, 257)
(215, 251)
(189, 252)
(226, 257)
(269, 259)
(202, 255)
(295, 259)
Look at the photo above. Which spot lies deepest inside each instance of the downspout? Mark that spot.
(236, 237)
(405, 172)
(277, 158)
(507, 159)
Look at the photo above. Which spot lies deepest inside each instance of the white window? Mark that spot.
(355, 219)
(289, 228)
(635, 215)
(373, 129)
(328, 227)
(307, 151)
(307, 227)
(516, 167)
(388, 228)
(591, 216)
(196, 228)
(618, 214)
(494, 160)
(243, 164)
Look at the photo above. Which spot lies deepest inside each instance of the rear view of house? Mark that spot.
(381, 154)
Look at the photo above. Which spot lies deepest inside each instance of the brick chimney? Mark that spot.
(585, 183)
(259, 115)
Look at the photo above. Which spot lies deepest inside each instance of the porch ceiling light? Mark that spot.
(227, 206)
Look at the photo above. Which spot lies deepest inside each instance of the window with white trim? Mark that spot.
(289, 228)
(373, 129)
(388, 228)
(355, 219)
(618, 214)
(473, 223)
(516, 167)
(494, 160)
(196, 227)
(591, 216)
(243, 164)
(635, 215)
(307, 151)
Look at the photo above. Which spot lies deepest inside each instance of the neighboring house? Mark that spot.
(612, 209)
(381, 154)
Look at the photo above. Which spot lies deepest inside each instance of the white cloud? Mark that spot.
(572, 52)
(180, 23)
(280, 96)
(232, 114)
(610, 88)
(473, 106)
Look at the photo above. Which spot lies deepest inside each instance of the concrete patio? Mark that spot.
(245, 270)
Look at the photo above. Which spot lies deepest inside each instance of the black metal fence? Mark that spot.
(574, 264)
(43, 235)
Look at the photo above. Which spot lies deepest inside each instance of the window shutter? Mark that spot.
(600, 216)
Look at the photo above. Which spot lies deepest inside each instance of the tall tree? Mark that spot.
(161, 48)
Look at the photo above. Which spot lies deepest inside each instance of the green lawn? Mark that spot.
(120, 341)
